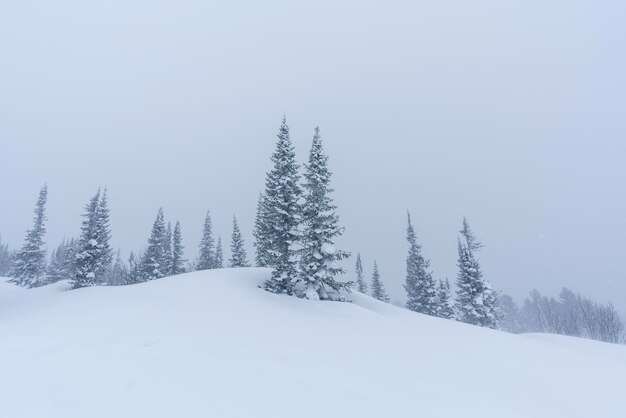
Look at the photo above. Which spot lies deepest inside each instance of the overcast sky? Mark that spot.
(508, 112)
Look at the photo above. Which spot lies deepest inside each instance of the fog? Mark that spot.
(509, 113)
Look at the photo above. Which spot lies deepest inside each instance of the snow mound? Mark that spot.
(212, 344)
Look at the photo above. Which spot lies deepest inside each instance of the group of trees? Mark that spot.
(90, 261)
(295, 229)
(569, 314)
(296, 224)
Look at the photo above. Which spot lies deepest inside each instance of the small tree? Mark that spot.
(262, 237)
(29, 265)
(378, 289)
(361, 285)
(155, 261)
(219, 254)
(5, 259)
(445, 307)
(237, 248)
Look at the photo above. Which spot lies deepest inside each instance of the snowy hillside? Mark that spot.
(212, 344)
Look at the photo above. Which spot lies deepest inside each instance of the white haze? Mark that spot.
(510, 113)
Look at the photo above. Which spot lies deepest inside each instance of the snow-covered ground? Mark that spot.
(212, 344)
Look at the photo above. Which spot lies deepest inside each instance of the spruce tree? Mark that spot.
(282, 214)
(134, 268)
(167, 249)
(93, 256)
(420, 285)
(178, 262)
(29, 265)
(319, 256)
(57, 266)
(475, 300)
(219, 254)
(155, 260)
(118, 274)
(206, 257)
(378, 289)
(361, 285)
(444, 300)
(69, 262)
(262, 238)
(237, 248)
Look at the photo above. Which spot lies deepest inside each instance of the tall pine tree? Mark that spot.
(319, 256)
(237, 248)
(178, 262)
(206, 256)
(420, 285)
(219, 254)
(282, 215)
(475, 300)
(361, 285)
(167, 248)
(29, 265)
(93, 256)
(378, 289)
(155, 261)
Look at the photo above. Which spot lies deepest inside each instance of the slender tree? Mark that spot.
(167, 249)
(378, 288)
(57, 266)
(29, 265)
(320, 224)
(475, 300)
(178, 262)
(206, 257)
(361, 285)
(445, 307)
(420, 285)
(262, 238)
(93, 256)
(5, 259)
(237, 248)
(155, 264)
(219, 254)
(118, 273)
(282, 214)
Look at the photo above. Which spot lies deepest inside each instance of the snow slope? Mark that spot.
(212, 344)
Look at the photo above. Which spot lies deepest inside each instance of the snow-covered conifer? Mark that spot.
(262, 238)
(154, 264)
(118, 273)
(5, 259)
(134, 268)
(282, 214)
(445, 308)
(319, 256)
(360, 283)
(475, 300)
(57, 266)
(29, 266)
(378, 289)
(219, 254)
(206, 256)
(178, 262)
(167, 248)
(94, 255)
(237, 248)
(419, 285)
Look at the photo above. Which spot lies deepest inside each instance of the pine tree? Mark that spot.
(134, 268)
(475, 301)
(29, 265)
(237, 248)
(420, 285)
(282, 214)
(262, 238)
(118, 274)
(319, 256)
(361, 285)
(378, 289)
(178, 262)
(5, 259)
(57, 266)
(93, 256)
(206, 257)
(154, 264)
(69, 262)
(444, 300)
(219, 254)
(167, 249)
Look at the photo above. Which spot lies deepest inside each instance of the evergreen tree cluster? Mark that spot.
(296, 224)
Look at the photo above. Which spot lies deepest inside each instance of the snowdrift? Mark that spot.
(212, 344)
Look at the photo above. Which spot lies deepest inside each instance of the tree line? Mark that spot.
(295, 229)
